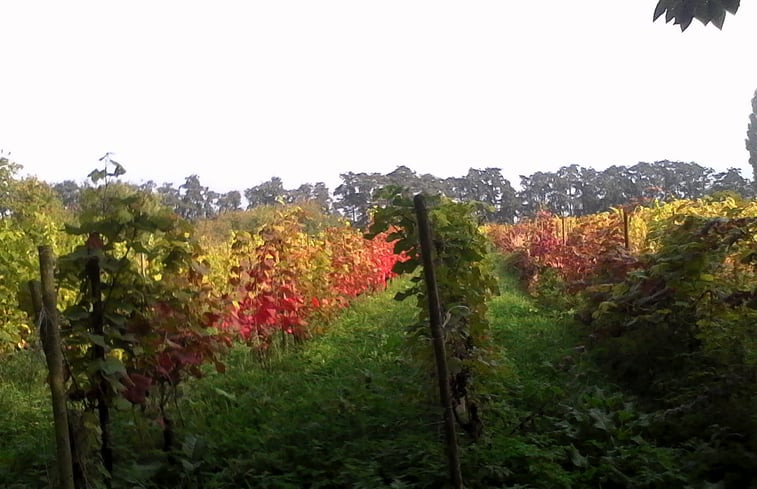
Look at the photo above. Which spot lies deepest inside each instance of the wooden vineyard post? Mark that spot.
(50, 335)
(435, 316)
(626, 218)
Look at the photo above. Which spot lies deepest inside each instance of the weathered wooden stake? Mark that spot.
(435, 316)
(626, 219)
(54, 355)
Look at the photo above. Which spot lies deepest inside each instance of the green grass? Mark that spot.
(348, 409)
(533, 335)
(26, 446)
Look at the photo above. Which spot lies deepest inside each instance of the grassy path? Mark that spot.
(342, 412)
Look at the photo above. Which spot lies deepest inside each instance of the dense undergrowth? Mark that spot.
(668, 298)
(351, 408)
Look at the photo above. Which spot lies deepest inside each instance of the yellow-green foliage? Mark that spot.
(648, 224)
(229, 237)
(30, 216)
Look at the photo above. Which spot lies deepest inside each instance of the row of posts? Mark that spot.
(623, 214)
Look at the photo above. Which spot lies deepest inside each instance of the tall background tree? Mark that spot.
(267, 193)
(751, 140)
(195, 200)
(229, 202)
(732, 181)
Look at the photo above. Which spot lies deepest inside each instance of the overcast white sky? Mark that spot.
(238, 92)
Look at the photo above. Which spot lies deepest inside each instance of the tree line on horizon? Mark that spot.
(572, 190)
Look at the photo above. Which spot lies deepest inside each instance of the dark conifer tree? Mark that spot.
(751, 140)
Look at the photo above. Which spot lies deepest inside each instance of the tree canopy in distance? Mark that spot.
(682, 12)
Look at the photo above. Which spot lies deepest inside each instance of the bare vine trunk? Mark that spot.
(103, 411)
